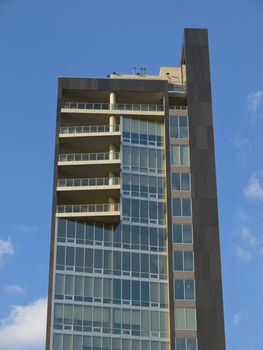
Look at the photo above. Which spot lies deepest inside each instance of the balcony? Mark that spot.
(98, 190)
(118, 108)
(90, 130)
(89, 183)
(92, 158)
(107, 212)
(177, 89)
(78, 165)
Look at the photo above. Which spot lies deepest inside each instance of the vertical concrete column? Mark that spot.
(111, 204)
(112, 100)
(112, 151)
(112, 118)
(111, 179)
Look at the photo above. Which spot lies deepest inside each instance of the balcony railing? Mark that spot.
(109, 106)
(101, 181)
(181, 89)
(178, 107)
(76, 157)
(89, 129)
(88, 208)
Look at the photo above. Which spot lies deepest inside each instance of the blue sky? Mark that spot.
(41, 40)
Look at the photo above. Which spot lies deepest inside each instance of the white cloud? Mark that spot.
(6, 248)
(236, 319)
(24, 328)
(255, 104)
(254, 188)
(243, 254)
(15, 289)
(249, 237)
(243, 147)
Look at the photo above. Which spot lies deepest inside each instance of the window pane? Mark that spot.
(181, 344)
(57, 341)
(178, 261)
(184, 153)
(190, 318)
(59, 285)
(176, 181)
(185, 181)
(177, 211)
(189, 289)
(67, 342)
(174, 132)
(175, 155)
(191, 344)
(79, 286)
(177, 233)
(186, 206)
(69, 285)
(183, 127)
(188, 261)
(179, 289)
(180, 318)
(187, 233)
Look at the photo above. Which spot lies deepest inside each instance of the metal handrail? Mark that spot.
(178, 107)
(115, 106)
(88, 129)
(100, 181)
(88, 208)
(72, 157)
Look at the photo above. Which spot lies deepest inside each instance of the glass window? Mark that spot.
(69, 284)
(60, 256)
(184, 155)
(178, 261)
(97, 287)
(126, 289)
(186, 207)
(191, 344)
(176, 184)
(57, 341)
(190, 318)
(179, 289)
(175, 155)
(185, 181)
(180, 318)
(183, 127)
(182, 233)
(67, 342)
(187, 233)
(88, 287)
(181, 344)
(79, 286)
(70, 256)
(189, 290)
(188, 261)
(61, 230)
(177, 209)
(177, 233)
(174, 130)
(59, 284)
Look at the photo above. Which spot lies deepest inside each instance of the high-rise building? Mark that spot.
(135, 258)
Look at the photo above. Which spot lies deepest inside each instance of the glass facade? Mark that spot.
(111, 279)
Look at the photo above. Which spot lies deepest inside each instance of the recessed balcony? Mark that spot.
(92, 158)
(94, 164)
(98, 190)
(89, 130)
(105, 212)
(117, 108)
